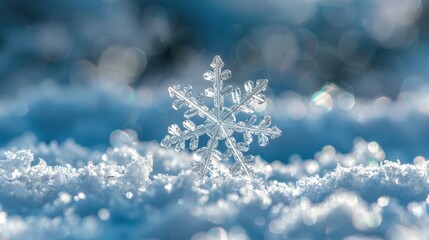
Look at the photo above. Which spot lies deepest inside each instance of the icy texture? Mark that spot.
(135, 190)
(220, 121)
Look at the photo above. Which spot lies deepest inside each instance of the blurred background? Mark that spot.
(368, 49)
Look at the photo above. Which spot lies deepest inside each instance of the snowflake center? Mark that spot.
(223, 127)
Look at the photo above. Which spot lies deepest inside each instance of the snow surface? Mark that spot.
(104, 183)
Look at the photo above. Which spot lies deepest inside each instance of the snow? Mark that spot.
(119, 191)
(124, 186)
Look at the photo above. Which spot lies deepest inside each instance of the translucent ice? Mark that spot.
(220, 121)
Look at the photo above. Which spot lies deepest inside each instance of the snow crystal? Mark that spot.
(220, 121)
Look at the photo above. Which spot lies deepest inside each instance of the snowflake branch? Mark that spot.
(208, 156)
(261, 85)
(173, 139)
(217, 83)
(238, 155)
(217, 76)
(190, 102)
(255, 130)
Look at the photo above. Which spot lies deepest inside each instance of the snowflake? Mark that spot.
(220, 122)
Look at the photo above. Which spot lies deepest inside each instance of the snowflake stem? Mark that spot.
(259, 88)
(188, 135)
(237, 154)
(208, 157)
(253, 129)
(218, 86)
(193, 104)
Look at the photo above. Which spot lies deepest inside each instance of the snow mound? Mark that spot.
(137, 190)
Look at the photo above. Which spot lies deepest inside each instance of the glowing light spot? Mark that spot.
(423, 105)
(322, 101)
(327, 155)
(103, 214)
(310, 218)
(346, 100)
(237, 232)
(122, 64)
(383, 201)
(129, 195)
(373, 147)
(348, 161)
(81, 195)
(65, 197)
(420, 161)
(3, 217)
(416, 208)
(260, 107)
(364, 220)
(120, 137)
(382, 102)
(312, 167)
(379, 155)
(168, 187)
(276, 226)
(217, 233)
(199, 236)
(296, 109)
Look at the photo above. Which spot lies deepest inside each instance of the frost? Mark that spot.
(220, 121)
(347, 196)
(19, 160)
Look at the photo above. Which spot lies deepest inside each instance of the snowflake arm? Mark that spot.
(236, 150)
(253, 93)
(207, 154)
(178, 137)
(217, 76)
(262, 130)
(185, 98)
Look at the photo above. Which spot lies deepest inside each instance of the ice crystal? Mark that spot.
(220, 122)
